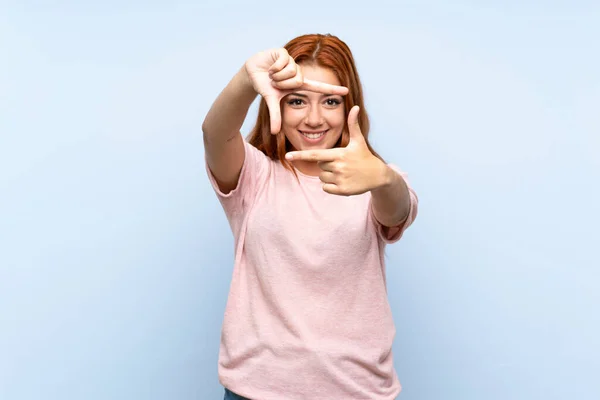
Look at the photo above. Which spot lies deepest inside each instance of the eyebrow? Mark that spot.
(306, 96)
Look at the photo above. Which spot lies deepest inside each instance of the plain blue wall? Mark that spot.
(115, 256)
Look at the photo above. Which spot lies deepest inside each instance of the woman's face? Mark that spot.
(313, 120)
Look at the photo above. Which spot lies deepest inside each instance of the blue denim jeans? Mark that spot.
(229, 395)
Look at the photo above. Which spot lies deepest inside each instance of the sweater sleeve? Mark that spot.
(253, 175)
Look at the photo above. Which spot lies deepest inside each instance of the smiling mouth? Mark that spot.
(314, 135)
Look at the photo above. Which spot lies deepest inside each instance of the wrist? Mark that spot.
(244, 81)
(385, 178)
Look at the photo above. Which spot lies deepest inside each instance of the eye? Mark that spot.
(295, 102)
(332, 102)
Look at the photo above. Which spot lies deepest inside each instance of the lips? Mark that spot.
(313, 134)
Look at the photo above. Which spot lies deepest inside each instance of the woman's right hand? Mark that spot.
(274, 74)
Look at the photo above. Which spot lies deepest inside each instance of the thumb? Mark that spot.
(356, 135)
(275, 113)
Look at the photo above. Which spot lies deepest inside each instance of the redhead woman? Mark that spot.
(311, 206)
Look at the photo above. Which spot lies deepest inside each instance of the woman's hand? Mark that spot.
(349, 170)
(274, 74)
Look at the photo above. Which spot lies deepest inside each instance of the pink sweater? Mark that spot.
(307, 316)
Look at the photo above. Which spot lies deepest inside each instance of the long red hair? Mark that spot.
(325, 51)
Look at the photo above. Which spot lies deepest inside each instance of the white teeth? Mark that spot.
(313, 135)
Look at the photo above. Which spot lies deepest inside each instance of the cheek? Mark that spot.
(337, 119)
(291, 117)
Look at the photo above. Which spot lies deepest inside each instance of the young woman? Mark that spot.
(311, 206)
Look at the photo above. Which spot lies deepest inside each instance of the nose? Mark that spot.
(314, 116)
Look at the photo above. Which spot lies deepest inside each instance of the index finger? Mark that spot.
(314, 155)
(325, 88)
(275, 113)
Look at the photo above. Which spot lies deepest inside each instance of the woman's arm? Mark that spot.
(391, 200)
(223, 143)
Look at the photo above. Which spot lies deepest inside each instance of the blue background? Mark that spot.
(115, 256)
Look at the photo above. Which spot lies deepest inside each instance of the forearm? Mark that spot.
(226, 116)
(391, 200)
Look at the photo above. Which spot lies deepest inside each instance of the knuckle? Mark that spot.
(282, 53)
(290, 72)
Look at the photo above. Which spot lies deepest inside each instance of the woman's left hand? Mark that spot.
(349, 170)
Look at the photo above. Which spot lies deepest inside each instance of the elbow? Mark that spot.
(206, 132)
